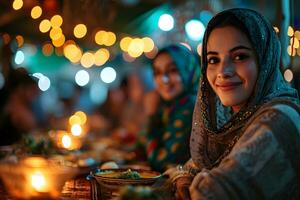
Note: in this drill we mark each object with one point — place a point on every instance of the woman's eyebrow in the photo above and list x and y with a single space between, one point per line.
212 53
240 47
231 50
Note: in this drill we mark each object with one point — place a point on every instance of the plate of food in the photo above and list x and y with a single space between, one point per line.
111 180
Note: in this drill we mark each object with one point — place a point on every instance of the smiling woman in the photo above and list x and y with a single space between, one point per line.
245 140
232 67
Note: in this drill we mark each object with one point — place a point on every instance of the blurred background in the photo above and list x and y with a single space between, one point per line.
80 50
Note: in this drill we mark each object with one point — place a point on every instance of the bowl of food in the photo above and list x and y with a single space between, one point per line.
110 181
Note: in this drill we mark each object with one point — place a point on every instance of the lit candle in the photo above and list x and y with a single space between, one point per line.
38 182
66 141
76 130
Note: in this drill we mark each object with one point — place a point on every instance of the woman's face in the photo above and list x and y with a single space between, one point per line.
232 66
166 76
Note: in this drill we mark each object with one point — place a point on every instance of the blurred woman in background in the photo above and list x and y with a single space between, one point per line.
176 74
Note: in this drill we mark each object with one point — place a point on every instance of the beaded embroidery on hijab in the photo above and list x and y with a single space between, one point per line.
213 119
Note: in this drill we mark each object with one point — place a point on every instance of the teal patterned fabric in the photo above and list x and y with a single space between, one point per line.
168 132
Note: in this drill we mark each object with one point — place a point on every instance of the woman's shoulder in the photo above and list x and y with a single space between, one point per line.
277 114
280 107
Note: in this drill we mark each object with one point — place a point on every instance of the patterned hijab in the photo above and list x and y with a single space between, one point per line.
213 120
187 65
169 129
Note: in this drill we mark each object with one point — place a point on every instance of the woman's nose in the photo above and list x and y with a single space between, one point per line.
165 79
226 70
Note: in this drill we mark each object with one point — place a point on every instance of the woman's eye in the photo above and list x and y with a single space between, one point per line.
240 57
172 70
213 60
156 73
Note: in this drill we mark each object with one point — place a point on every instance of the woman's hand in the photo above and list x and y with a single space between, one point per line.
182 185
181 180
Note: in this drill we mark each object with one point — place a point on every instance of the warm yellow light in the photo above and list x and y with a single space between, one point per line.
17 4
111 39
148 44
74 119
72 52
80 31
56 21
125 42
36 12
47 49
38 182
297 34
76 130
291 51
290 31
66 141
136 47
101 37
295 41
82 117
45 26
101 56
87 60
55 33
20 40
59 42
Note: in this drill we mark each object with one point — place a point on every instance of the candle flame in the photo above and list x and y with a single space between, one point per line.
76 130
38 181
66 141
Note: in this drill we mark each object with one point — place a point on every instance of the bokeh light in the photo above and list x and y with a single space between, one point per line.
82 78
36 12
17 4
45 26
19 57
44 83
290 31
56 21
166 22
288 75
101 56
87 60
124 43
148 44
194 30
80 31
108 74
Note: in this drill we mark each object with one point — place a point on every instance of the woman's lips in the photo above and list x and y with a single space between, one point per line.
228 86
